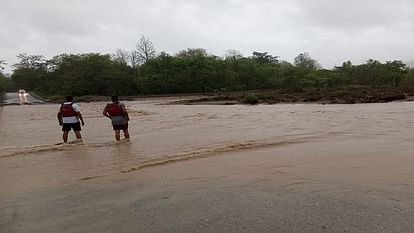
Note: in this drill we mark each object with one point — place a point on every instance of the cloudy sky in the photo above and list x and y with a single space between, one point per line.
331 31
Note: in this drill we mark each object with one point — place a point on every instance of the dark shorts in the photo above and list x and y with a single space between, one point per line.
69 126
120 127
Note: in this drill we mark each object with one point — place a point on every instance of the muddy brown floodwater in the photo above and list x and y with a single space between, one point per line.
210 168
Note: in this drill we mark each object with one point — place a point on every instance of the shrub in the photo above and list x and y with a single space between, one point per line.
250 99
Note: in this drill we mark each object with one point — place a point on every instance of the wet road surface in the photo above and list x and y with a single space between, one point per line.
20 99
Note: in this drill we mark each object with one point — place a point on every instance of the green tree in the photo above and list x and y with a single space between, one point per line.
191 70
305 66
29 71
305 62
408 80
264 58
396 71
3 83
92 74
346 73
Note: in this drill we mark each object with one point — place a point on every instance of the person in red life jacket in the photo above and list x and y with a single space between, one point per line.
69 115
118 114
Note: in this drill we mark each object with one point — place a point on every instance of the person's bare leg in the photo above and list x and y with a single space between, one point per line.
117 135
78 135
65 136
126 133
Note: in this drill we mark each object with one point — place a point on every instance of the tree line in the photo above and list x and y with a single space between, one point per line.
144 71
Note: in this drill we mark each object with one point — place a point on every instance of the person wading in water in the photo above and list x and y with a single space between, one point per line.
68 116
118 114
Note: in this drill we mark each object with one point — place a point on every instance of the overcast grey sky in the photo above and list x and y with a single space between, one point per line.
330 31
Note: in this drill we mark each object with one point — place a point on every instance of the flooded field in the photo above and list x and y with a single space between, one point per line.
328 139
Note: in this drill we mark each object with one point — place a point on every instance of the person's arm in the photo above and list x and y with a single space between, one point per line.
79 115
125 112
60 118
105 112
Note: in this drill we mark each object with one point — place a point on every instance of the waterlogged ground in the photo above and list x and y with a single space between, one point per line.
304 151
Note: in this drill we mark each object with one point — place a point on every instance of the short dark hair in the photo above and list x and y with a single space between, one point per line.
69 98
114 98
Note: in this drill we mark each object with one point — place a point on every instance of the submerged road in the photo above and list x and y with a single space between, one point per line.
15 98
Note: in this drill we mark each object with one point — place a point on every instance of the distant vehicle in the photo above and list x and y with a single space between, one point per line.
22 92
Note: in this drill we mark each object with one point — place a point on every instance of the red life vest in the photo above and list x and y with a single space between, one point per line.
67 110
114 109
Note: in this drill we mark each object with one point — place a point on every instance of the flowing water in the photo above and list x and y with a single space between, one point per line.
160 133
301 166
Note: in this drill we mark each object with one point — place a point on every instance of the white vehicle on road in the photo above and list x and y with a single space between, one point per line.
22 92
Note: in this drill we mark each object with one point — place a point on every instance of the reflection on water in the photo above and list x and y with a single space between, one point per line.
163 133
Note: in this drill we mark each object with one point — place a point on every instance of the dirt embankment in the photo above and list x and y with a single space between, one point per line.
344 96
350 95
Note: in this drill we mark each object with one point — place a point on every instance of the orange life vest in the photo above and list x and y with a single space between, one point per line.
114 109
67 110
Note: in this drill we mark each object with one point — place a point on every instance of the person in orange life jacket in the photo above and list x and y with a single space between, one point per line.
69 115
118 114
